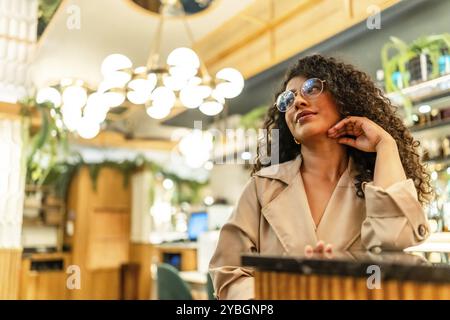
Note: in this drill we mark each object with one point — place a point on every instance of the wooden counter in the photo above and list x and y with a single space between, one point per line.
348 275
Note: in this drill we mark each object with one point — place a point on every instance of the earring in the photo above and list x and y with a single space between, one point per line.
297 142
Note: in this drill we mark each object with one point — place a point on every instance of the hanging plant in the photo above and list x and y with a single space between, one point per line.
46 146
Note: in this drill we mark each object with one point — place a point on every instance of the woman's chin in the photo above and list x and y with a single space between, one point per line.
309 133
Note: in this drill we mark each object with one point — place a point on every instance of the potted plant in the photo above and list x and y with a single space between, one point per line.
425 58
394 65
428 51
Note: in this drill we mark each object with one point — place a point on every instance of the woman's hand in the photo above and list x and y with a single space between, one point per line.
320 248
368 136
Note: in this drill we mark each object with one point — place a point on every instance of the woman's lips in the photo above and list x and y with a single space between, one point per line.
304 116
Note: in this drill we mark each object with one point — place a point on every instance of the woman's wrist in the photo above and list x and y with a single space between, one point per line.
386 143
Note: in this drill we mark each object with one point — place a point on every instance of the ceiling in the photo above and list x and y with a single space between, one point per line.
117 26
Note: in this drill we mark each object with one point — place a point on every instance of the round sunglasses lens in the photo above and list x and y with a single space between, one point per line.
312 88
285 100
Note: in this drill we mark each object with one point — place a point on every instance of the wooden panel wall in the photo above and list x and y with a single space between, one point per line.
102 232
9 273
44 285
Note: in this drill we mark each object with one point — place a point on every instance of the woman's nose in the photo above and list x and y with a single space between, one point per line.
299 101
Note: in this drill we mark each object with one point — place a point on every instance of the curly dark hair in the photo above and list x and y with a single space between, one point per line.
355 94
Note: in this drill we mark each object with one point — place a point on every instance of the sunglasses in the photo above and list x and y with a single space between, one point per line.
310 89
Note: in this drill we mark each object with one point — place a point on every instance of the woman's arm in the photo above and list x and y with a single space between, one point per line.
388 166
394 217
240 234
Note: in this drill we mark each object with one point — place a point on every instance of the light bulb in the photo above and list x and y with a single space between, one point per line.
115 62
70 116
183 57
96 108
208 200
87 128
195 148
196 143
174 83
158 112
167 184
183 72
233 85
209 165
49 95
163 97
119 77
211 108
190 97
142 90
111 98
75 96
424 108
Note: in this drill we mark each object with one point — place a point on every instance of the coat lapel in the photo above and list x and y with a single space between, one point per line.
288 214
343 217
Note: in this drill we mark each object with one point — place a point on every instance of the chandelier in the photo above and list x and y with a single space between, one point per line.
183 80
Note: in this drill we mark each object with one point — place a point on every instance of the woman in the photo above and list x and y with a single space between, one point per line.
349 176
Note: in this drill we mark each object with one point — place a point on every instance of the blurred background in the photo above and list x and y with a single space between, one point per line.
128 127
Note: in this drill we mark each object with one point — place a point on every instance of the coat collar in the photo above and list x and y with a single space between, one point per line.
286 171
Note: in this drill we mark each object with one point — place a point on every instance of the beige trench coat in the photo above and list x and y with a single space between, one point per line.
272 216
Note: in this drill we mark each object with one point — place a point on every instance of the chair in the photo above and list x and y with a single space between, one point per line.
210 287
170 284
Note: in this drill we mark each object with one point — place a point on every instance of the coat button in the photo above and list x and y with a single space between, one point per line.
422 230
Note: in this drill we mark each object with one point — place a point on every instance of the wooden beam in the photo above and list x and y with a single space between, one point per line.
269 26
247 43
116 140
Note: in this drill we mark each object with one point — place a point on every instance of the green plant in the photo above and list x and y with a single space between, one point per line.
395 63
46 146
403 53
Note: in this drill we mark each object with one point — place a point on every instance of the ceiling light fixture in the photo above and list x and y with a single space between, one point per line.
184 78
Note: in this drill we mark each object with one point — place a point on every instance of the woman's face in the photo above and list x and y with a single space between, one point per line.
310 117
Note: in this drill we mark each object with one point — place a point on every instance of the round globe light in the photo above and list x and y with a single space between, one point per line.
157 112
70 116
74 96
211 108
183 72
96 108
183 57
233 85
190 97
115 62
112 99
142 90
163 97
88 128
49 94
174 83
167 184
